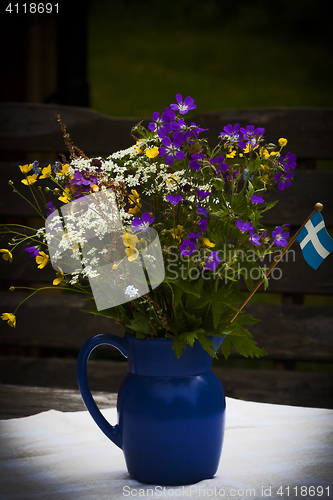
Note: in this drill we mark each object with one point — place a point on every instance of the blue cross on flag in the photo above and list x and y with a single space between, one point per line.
315 242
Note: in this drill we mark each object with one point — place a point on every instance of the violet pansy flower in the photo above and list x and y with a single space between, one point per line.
197 161
283 180
203 224
187 247
254 238
243 226
33 251
171 150
202 194
174 199
143 223
257 199
50 208
213 261
183 106
288 161
162 124
280 238
232 133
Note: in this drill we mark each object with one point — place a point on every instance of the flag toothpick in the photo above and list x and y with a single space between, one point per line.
317 208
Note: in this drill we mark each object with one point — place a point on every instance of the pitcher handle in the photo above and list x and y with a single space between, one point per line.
111 431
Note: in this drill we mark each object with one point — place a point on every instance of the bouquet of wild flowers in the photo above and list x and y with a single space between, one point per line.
205 205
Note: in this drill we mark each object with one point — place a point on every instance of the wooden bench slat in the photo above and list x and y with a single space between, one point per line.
33 127
55 321
52 321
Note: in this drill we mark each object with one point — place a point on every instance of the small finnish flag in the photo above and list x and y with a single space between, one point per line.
315 242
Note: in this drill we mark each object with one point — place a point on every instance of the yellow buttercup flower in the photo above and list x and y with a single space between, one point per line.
264 179
134 199
153 152
264 153
7 255
26 168
177 233
249 148
135 209
132 253
232 153
282 142
207 243
10 318
64 170
42 259
31 179
265 167
59 278
129 239
46 172
66 196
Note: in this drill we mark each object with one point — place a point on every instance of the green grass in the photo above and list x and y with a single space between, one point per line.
139 61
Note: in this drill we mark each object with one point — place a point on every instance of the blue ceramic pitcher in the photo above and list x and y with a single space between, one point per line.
170 410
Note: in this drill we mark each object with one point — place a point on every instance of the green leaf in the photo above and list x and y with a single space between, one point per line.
192 321
139 324
186 287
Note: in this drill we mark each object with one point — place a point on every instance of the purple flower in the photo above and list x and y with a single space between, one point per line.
188 247
79 180
182 131
202 194
202 211
257 199
232 133
197 161
143 223
185 106
283 180
196 131
243 226
213 261
250 132
254 238
174 199
171 150
162 124
288 161
280 238
220 167
203 224
195 236
33 251
50 208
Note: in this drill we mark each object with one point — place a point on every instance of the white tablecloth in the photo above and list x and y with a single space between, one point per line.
270 451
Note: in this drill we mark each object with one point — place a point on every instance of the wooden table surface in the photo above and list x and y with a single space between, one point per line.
22 401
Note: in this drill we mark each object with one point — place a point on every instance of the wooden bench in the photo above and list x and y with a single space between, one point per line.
296 328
